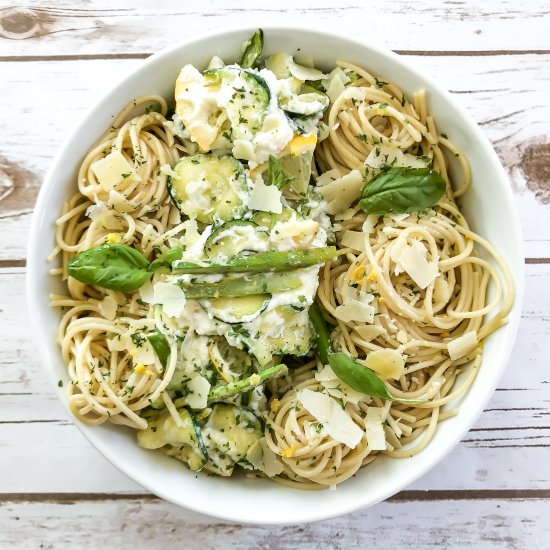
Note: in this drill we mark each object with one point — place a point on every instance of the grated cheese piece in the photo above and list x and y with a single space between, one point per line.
114 169
388 363
369 332
374 429
412 258
353 239
171 297
337 423
198 392
266 198
386 155
355 310
463 345
341 193
108 307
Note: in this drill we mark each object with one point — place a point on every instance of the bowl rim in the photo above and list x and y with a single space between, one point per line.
34 256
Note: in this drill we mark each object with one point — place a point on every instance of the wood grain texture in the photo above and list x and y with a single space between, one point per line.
507 97
507 449
141 522
101 27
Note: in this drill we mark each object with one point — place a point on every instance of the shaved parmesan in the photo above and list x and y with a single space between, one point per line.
388 363
266 198
114 169
369 332
412 259
335 83
294 234
271 465
243 149
117 201
369 223
198 392
108 307
385 155
338 389
342 192
462 346
328 177
442 292
355 310
337 423
376 438
313 431
354 239
146 292
171 297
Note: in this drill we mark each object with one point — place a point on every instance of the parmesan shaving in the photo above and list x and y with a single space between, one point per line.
337 423
462 346
388 363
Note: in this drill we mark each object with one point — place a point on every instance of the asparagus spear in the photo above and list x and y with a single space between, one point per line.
239 386
260 262
260 283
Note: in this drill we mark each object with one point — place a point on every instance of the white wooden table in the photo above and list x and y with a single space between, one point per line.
56 56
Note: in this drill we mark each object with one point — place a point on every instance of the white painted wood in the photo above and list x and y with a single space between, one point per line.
507 448
490 88
99 26
144 523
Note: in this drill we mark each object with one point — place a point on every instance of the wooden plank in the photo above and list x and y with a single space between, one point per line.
61 27
37 125
506 449
125 523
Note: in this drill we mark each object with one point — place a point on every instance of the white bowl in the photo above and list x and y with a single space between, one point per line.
488 206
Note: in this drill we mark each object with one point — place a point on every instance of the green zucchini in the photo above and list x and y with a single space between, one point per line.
247 107
295 336
185 441
237 310
234 237
228 434
208 187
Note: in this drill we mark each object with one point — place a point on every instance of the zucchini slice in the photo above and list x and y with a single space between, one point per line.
184 442
229 433
242 309
294 335
249 98
232 238
229 362
208 188
268 220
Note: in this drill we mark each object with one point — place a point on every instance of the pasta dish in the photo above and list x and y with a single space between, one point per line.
269 272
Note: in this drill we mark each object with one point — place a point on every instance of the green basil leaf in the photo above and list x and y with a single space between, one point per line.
402 190
165 260
113 266
361 378
252 49
276 175
161 346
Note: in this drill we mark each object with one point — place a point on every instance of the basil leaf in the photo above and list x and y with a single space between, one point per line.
346 368
276 175
113 266
166 259
361 378
252 49
402 190
161 346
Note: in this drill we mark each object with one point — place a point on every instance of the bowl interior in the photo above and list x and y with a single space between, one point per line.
488 207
